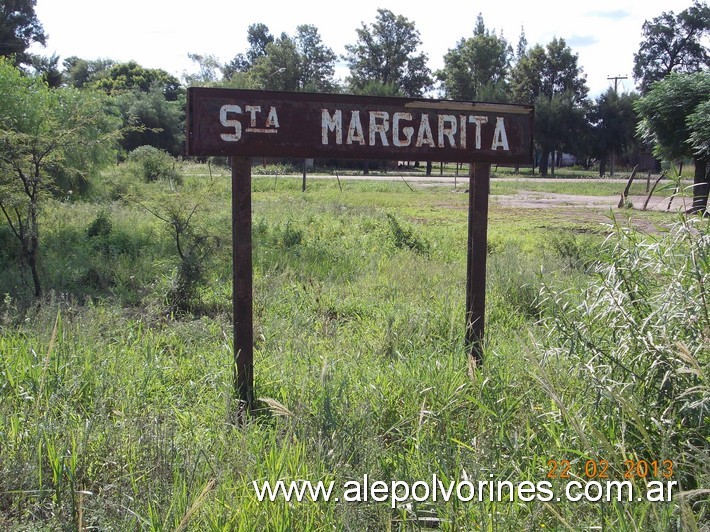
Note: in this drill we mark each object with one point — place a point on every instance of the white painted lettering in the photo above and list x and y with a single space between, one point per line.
355 132
332 122
399 129
462 129
253 109
381 128
425 135
273 119
408 130
500 137
478 120
226 122
447 132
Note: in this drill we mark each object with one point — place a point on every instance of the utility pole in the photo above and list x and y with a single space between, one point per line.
613 151
616 81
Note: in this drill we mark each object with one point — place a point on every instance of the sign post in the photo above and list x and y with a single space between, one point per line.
242 283
242 123
477 246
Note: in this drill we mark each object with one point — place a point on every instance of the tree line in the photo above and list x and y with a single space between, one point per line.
58 125
386 59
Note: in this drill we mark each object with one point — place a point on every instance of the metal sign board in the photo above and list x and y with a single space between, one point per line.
234 122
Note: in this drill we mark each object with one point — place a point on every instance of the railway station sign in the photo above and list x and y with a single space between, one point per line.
235 122
242 124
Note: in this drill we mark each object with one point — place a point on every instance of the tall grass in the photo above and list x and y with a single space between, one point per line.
639 342
116 415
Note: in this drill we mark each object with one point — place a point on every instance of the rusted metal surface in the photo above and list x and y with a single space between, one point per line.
242 315
236 122
478 190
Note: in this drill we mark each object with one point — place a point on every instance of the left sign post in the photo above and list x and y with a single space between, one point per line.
242 282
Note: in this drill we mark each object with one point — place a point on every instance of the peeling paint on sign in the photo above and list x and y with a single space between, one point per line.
262 123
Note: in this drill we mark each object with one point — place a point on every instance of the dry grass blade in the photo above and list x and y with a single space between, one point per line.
278 409
685 355
197 503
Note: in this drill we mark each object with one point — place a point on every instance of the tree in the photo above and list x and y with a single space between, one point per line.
548 71
46 137
673 44
259 38
48 68
673 117
238 65
522 45
79 73
279 68
300 63
19 28
699 124
477 68
122 77
151 102
209 69
551 79
526 77
317 60
614 120
559 121
152 120
386 52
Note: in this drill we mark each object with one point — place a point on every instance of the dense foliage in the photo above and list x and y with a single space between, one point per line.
386 52
680 130
51 142
673 43
477 68
19 28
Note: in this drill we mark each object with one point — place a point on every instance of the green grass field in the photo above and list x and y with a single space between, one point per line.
116 403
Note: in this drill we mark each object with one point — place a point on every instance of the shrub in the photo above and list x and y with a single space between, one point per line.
638 340
151 164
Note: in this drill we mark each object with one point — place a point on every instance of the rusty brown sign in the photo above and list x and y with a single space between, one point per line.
244 123
237 122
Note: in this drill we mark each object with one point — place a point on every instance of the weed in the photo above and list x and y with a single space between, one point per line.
404 237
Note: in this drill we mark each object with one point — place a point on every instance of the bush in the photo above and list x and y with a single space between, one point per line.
151 164
638 340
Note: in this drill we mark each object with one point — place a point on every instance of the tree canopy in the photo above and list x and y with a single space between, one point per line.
50 139
79 73
477 68
546 71
386 60
19 28
386 53
317 60
279 68
673 119
550 78
673 43
128 76
613 120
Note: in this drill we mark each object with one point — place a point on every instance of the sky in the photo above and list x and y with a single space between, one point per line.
605 34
